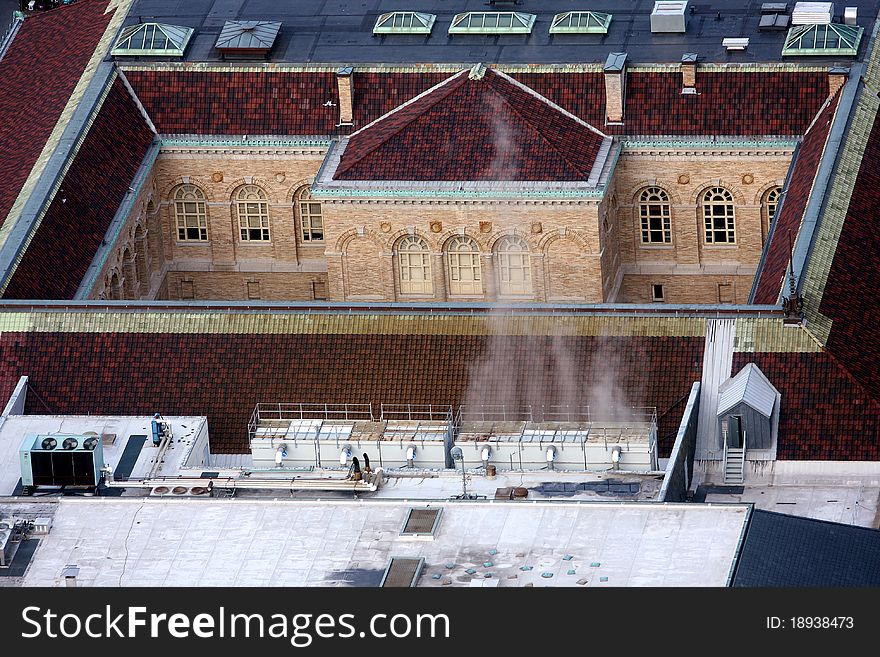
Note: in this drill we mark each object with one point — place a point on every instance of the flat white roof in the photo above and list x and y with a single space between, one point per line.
208 542
14 428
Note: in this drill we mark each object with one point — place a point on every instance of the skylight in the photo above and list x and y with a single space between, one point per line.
580 22
404 22
152 39
492 22
824 39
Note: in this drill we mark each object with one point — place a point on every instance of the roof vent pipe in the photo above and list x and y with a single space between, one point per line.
344 455
551 457
410 455
280 455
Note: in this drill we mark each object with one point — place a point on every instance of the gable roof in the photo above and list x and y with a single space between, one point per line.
43 50
750 387
473 126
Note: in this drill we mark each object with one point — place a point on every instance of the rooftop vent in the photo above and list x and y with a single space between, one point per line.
404 22
830 39
402 572
421 522
812 13
492 22
247 38
152 40
580 22
669 17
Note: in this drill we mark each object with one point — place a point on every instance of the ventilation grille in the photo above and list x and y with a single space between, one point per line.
421 522
402 572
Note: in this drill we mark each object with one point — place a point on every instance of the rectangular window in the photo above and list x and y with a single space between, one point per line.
319 290
656 223
514 272
253 290
312 221
253 219
192 224
187 290
657 292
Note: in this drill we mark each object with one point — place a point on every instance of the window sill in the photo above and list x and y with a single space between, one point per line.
721 246
658 247
193 242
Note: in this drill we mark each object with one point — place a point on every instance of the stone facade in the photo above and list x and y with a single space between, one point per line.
579 250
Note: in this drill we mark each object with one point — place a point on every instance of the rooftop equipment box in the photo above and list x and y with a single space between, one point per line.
812 13
61 460
669 17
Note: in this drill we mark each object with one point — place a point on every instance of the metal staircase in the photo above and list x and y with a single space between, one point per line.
734 464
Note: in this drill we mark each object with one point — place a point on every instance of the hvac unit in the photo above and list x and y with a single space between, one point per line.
812 13
71 461
669 17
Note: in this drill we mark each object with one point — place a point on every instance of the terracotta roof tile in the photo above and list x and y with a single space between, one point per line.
473 129
237 103
43 51
376 94
788 221
225 376
71 231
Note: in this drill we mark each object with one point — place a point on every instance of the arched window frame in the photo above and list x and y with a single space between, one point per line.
190 213
719 216
414 265
514 266
655 216
769 208
463 266
252 210
310 216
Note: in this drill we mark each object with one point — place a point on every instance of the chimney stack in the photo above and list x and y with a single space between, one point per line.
343 84
837 76
689 73
615 87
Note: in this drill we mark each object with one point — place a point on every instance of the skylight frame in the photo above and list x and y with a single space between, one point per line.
581 22
490 22
851 35
176 36
420 22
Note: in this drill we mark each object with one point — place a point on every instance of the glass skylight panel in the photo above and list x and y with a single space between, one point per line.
492 22
152 39
404 22
580 22
824 39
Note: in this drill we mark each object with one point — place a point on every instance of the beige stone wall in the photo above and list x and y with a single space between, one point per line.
685 177
233 286
563 241
683 289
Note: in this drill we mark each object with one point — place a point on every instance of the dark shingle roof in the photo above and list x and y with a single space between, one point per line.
781 550
489 128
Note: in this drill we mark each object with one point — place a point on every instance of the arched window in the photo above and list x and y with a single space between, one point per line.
771 202
253 214
310 219
514 266
414 263
463 258
655 215
190 213
718 216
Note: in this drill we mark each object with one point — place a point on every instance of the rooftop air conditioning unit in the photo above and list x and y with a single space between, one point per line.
812 13
61 460
669 17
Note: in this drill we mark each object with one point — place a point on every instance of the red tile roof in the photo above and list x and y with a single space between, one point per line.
73 227
237 103
825 414
376 94
851 298
38 73
473 129
224 376
728 103
788 220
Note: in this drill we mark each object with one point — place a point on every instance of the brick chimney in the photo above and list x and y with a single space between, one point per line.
343 84
615 87
689 73
837 76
